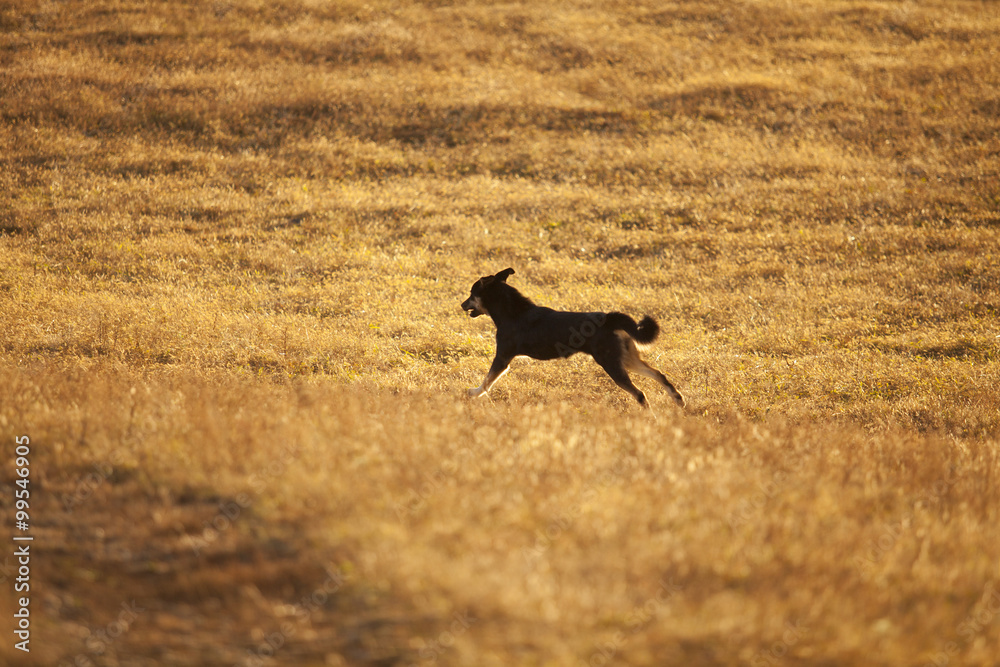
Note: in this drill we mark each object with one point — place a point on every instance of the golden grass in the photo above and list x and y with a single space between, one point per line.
234 238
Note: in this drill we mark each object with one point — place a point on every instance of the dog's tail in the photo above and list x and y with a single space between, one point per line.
643 333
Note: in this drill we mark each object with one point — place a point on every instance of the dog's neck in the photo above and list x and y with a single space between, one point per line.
507 304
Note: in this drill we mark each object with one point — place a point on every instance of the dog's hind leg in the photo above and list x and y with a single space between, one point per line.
649 371
622 379
611 361
499 366
633 362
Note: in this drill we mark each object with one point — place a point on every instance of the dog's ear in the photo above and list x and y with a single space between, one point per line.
503 275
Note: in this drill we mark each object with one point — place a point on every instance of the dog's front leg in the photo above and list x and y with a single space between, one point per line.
497 369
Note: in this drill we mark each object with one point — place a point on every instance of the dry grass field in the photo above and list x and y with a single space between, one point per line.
234 237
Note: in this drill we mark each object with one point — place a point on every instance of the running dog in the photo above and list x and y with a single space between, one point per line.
524 329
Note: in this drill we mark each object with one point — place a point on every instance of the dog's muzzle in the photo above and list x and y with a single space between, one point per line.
472 306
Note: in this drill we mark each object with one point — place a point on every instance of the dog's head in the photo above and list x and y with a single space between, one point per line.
474 304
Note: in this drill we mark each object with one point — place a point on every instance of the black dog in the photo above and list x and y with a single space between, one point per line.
524 329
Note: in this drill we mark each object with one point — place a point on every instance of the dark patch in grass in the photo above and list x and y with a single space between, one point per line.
287 222
147 168
11 224
962 349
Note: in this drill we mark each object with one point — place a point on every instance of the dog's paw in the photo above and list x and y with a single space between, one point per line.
476 392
